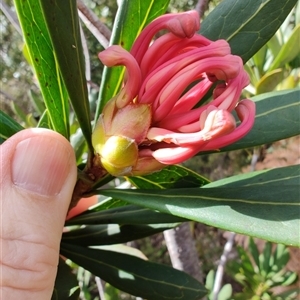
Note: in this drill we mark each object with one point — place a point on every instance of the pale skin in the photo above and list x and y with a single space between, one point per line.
38 174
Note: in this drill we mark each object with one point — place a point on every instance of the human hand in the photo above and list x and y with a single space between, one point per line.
38 174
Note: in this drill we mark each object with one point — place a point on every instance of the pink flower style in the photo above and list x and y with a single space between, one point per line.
156 120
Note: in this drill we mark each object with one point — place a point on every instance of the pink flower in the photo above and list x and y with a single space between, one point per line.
157 109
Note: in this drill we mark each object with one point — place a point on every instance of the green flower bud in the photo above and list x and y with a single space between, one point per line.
119 155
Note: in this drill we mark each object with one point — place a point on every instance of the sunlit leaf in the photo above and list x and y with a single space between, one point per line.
269 81
44 62
62 23
289 50
44 121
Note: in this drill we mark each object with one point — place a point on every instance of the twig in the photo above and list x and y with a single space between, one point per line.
96 27
254 159
220 270
86 55
182 250
201 7
100 287
7 96
11 16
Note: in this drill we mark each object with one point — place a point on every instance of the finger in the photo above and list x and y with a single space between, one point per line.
38 174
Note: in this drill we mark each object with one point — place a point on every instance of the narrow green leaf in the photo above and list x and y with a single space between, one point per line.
109 234
274 45
175 176
66 285
111 293
246 264
136 276
130 214
62 23
277 118
259 59
37 102
265 259
131 18
281 256
19 113
247 25
43 60
269 81
254 251
256 204
44 121
286 176
8 126
289 50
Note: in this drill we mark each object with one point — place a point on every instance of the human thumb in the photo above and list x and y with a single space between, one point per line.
38 174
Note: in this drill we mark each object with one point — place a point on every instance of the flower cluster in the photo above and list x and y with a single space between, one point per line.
162 115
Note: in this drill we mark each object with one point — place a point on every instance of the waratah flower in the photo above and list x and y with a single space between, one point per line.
163 114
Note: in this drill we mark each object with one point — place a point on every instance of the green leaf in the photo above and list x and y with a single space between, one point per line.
175 176
44 121
111 293
269 81
254 251
255 204
246 264
110 234
210 279
247 25
259 59
62 23
277 118
134 275
19 113
225 292
274 45
265 257
44 62
130 214
131 18
8 126
281 256
37 102
289 50
66 285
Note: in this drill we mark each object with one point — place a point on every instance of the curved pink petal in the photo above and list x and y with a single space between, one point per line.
223 67
157 55
141 44
246 113
217 123
153 82
117 56
176 155
191 97
227 99
184 25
